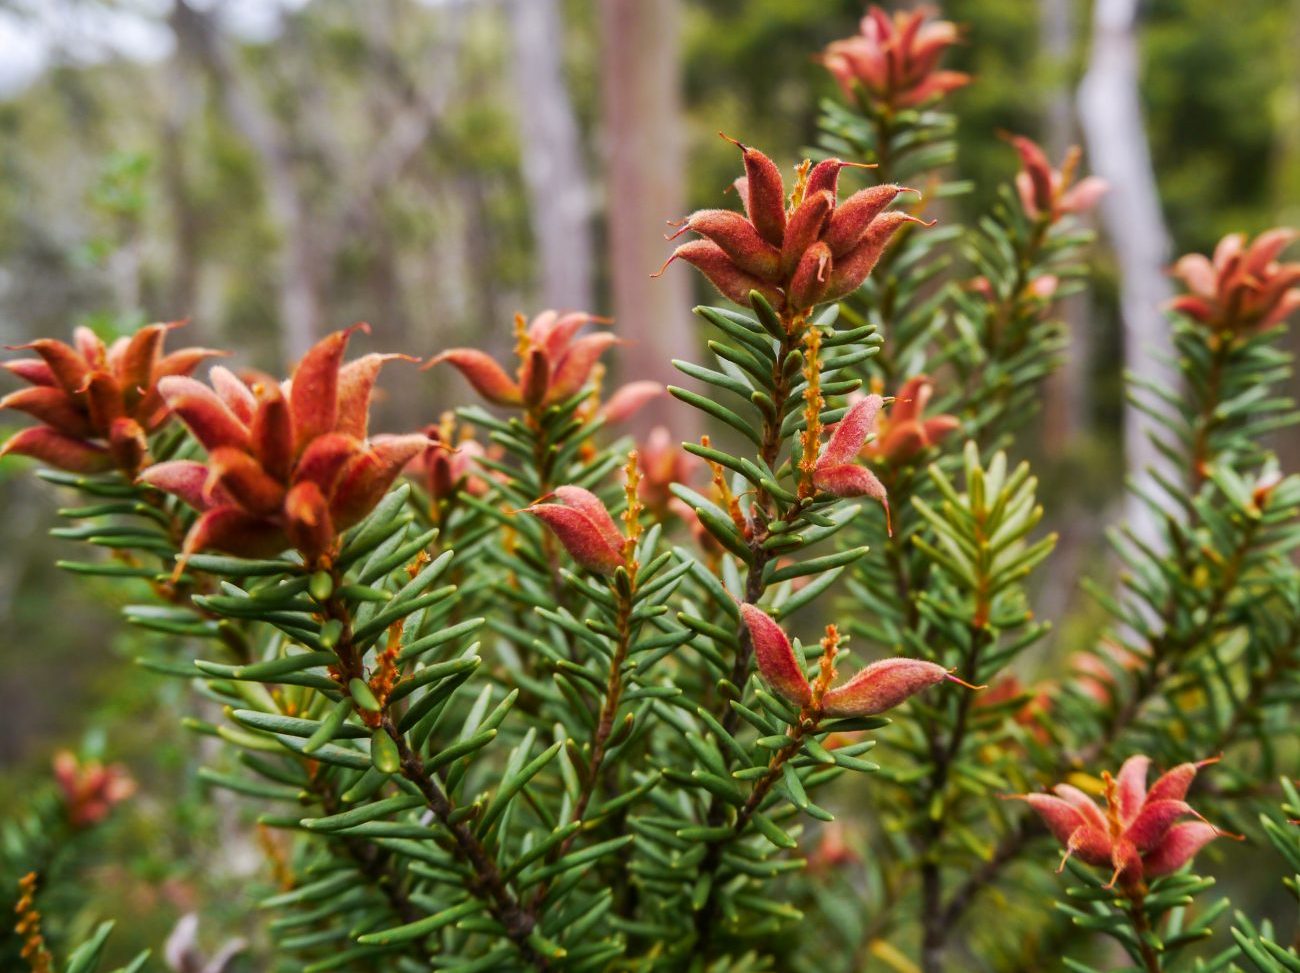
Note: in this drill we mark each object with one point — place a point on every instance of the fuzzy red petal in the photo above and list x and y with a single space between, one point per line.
775 656
60 451
481 371
203 412
883 685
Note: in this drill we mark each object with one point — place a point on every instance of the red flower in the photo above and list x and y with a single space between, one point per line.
663 463
90 790
554 362
444 469
1047 192
630 399
582 524
1244 286
1138 834
836 471
817 251
288 465
903 431
880 686
894 60
96 404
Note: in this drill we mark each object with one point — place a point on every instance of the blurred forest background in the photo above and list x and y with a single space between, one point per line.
274 170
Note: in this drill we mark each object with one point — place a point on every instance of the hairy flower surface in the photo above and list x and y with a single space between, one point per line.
895 60
837 471
1051 193
903 431
96 403
817 250
555 362
1139 834
289 465
878 687
1243 286
89 790
584 527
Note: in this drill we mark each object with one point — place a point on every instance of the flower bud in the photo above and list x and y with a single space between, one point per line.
584 527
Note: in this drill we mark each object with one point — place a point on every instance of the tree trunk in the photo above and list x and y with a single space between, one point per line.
645 186
555 173
1112 121
299 281
1065 400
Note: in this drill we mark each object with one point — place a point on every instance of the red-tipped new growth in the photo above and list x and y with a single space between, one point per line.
288 465
893 61
837 471
1244 286
1138 834
555 362
879 687
96 404
903 431
89 790
584 527
817 251
1051 193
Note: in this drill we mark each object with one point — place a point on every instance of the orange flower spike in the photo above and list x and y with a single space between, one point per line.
96 405
811 437
632 512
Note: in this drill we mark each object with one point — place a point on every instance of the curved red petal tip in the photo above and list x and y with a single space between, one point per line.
736 142
962 682
775 656
671 257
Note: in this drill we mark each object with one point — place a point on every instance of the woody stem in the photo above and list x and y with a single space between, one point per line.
486 881
604 727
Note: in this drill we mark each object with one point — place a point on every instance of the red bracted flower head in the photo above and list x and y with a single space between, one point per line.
879 687
663 463
903 432
555 362
289 465
445 467
1051 193
582 524
90 789
894 60
1139 834
1244 286
96 404
817 251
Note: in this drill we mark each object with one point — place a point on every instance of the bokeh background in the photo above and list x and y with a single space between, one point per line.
274 169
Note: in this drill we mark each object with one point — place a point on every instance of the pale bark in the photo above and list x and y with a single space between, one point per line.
299 278
1112 120
555 173
1065 399
644 137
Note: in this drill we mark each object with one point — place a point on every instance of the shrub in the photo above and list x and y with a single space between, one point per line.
541 703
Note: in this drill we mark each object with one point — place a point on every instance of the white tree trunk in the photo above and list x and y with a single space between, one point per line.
1112 119
555 173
